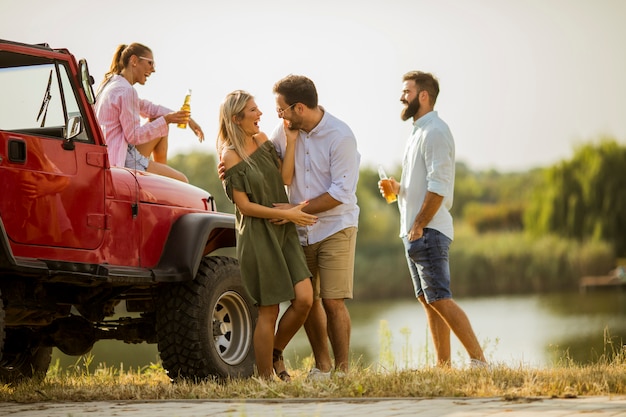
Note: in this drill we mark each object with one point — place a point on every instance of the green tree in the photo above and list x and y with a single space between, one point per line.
495 201
584 198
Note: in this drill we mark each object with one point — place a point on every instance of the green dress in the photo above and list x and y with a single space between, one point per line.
270 256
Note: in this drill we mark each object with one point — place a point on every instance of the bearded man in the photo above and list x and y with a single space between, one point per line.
425 194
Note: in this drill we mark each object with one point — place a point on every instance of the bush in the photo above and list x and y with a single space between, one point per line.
515 263
495 263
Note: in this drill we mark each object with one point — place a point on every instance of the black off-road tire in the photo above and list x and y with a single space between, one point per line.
2 334
23 357
205 326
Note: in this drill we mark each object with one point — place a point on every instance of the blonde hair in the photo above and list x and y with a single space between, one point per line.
230 134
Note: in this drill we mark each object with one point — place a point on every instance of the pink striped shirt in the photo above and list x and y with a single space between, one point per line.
118 109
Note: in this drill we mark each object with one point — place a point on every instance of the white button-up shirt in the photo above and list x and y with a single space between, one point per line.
428 165
326 160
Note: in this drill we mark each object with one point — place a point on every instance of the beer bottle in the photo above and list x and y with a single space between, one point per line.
187 107
385 182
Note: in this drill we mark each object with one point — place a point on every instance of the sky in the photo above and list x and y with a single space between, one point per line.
523 82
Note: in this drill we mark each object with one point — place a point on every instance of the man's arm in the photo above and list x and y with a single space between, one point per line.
288 163
429 208
321 203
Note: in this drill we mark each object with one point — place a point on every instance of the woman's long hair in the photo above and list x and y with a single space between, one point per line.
121 57
230 134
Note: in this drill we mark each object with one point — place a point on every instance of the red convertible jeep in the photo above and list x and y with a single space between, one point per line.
80 239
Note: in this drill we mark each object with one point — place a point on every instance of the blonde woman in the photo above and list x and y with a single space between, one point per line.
273 267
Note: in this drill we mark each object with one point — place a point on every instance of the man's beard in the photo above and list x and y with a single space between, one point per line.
295 123
410 110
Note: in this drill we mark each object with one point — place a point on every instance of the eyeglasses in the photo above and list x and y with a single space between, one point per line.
281 112
150 61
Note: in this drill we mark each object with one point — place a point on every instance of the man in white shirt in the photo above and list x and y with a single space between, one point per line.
326 174
425 194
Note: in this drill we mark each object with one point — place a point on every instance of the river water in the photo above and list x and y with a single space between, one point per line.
526 330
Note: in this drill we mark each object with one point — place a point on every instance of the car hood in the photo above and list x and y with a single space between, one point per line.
157 189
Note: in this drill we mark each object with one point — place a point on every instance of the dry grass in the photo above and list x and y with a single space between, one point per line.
606 377
85 382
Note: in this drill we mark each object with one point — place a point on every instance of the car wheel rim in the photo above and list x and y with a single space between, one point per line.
232 328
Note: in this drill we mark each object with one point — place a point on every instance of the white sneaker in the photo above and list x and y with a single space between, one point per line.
478 364
339 374
316 375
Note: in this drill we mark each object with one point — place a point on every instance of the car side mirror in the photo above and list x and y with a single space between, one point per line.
86 80
72 129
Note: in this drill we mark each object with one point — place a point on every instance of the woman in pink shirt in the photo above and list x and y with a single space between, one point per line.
119 108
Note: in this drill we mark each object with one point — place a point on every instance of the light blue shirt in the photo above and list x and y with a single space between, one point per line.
327 160
428 165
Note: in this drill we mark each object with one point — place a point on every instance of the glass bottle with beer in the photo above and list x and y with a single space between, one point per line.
186 107
385 184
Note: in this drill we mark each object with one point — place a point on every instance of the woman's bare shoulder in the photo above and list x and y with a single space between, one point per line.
230 158
260 138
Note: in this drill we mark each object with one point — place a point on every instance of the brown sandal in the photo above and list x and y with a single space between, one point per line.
279 366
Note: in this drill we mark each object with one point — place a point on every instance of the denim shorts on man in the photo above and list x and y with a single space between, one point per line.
427 258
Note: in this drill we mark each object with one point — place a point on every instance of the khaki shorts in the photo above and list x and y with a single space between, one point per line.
331 262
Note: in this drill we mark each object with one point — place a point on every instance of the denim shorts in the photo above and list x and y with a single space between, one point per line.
427 258
135 160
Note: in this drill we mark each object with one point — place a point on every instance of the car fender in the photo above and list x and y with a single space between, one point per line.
191 237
